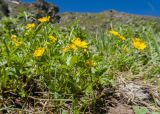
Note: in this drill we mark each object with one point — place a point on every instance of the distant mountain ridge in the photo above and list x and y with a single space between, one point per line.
103 20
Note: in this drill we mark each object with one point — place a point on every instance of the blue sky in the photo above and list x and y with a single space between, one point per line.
142 7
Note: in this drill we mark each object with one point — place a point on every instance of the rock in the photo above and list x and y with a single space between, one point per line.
4 11
39 9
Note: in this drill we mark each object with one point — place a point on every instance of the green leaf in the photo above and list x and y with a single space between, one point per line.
140 110
71 60
105 80
68 60
155 113
22 93
89 89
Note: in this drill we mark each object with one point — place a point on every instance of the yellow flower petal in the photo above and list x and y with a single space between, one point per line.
14 38
38 52
66 49
89 63
72 46
79 43
125 49
18 43
44 19
115 33
121 37
52 38
138 44
30 26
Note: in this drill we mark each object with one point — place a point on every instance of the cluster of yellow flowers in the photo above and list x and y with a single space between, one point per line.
39 51
76 43
136 42
30 26
115 33
14 39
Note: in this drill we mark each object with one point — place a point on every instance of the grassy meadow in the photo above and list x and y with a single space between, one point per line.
46 68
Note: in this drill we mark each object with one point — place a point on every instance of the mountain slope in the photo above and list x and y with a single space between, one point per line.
93 21
90 21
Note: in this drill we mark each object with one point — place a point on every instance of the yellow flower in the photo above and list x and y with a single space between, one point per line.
14 38
44 19
52 38
125 49
79 43
115 33
83 44
76 41
89 63
66 49
72 46
38 52
18 43
30 26
121 37
69 47
75 44
138 44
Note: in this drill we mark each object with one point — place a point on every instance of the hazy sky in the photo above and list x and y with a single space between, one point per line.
143 7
